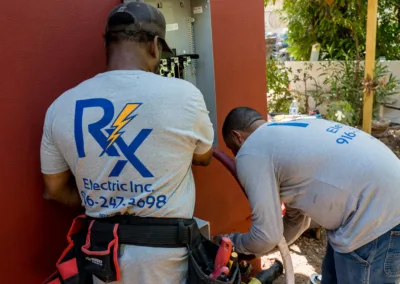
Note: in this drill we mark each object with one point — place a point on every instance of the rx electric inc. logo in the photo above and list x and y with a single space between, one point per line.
110 142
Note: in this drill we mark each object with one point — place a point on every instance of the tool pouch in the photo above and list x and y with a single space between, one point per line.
197 274
72 258
101 251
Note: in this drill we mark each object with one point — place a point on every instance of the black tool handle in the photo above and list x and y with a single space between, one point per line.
271 274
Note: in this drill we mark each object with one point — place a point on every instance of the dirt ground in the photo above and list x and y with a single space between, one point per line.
307 254
391 138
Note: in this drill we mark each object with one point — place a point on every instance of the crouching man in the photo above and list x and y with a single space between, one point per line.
342 178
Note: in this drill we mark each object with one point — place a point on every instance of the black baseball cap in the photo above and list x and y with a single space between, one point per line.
138 17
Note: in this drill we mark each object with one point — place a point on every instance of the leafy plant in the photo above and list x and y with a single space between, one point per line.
279 96
343 85
340 111
340 28
304 76
345 97
279 81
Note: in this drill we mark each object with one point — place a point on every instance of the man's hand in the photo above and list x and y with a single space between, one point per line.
62 188
204 159
217 240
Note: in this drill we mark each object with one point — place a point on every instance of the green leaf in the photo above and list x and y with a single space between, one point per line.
337 27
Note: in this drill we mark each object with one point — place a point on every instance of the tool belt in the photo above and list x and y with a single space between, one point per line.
94 248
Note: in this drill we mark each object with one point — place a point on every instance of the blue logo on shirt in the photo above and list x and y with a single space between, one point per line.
294 124
114 129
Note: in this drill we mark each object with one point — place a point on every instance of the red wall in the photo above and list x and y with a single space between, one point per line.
47 47
239 55
240 77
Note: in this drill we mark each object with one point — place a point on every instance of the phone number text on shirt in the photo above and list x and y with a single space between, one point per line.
120 201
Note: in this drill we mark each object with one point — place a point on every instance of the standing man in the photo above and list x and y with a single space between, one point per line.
338 176
123 142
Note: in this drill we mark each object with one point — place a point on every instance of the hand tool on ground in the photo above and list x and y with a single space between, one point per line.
269 275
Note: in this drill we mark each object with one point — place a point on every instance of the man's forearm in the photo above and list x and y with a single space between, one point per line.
247 244
291 233
62 188
68 196
257 176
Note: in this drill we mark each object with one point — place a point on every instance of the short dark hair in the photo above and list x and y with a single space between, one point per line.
118 37
121 20
240 118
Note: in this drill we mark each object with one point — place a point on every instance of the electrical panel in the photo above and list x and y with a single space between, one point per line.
189 35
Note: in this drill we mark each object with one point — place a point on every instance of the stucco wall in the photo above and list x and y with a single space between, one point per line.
393 68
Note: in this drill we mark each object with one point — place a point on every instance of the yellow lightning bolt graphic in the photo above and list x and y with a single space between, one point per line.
122 120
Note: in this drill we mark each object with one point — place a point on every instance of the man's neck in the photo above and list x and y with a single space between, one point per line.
126 64
124 59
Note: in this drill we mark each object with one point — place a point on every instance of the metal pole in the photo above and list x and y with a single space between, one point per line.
370 64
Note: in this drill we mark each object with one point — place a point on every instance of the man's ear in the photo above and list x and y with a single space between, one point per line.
237 137
155 51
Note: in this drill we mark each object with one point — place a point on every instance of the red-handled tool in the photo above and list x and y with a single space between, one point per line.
222 257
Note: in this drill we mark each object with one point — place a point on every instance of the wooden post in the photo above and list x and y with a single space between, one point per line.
370 63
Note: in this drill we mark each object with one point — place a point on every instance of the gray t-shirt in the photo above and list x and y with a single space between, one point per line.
129 138
340 177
